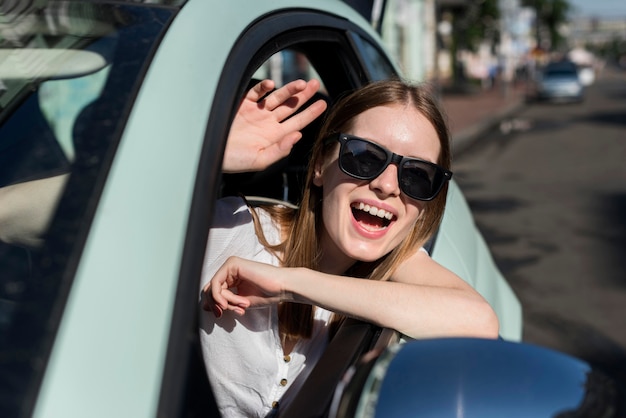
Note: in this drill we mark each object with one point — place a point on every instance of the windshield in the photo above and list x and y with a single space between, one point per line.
69 72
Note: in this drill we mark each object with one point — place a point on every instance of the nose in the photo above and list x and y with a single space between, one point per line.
386 184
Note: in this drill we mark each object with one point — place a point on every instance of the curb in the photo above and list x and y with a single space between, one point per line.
465 138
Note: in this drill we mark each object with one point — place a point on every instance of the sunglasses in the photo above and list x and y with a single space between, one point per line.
366 160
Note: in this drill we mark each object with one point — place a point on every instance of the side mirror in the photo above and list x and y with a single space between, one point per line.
476 378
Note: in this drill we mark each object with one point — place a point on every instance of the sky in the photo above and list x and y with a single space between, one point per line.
599 8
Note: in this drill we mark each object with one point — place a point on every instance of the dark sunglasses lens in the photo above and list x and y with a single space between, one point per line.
362 159
420 180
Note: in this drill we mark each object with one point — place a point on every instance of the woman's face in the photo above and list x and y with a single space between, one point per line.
350 231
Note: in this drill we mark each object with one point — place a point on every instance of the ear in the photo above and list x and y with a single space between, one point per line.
317 173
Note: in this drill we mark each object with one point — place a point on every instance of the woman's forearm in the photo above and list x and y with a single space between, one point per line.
429 302
418 311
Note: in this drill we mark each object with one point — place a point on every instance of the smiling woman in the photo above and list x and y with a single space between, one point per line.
277 279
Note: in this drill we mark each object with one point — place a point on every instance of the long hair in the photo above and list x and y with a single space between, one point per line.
303 228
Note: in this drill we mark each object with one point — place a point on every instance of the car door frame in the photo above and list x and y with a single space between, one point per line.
184 385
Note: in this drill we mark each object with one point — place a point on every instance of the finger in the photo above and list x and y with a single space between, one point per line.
226 299
259 90
237 310
208 304
214 292
309 114
235 304
288 92
291 105
289 140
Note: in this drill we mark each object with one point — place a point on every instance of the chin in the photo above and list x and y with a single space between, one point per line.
367 255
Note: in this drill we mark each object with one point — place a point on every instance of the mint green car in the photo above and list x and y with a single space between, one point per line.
113 120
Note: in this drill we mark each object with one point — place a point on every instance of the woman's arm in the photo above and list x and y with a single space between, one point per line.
422 300
26 209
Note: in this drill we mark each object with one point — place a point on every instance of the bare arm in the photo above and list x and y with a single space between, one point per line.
26 209
422 300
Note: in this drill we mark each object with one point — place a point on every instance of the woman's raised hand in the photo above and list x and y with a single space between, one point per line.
263 131
240 284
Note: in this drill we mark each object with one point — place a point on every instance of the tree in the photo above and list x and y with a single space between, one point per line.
551 15
472 23
479 23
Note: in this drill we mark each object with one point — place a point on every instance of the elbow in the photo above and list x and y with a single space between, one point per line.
473 319
485 323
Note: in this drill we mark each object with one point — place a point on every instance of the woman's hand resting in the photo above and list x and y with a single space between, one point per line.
240 284
264 131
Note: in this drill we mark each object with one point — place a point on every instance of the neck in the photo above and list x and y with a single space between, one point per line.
333 260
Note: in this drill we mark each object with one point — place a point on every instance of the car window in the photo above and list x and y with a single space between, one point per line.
283 47
63 103
285 66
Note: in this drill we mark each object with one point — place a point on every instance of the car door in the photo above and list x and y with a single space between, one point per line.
307 44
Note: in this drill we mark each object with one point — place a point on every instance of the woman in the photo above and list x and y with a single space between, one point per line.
375 192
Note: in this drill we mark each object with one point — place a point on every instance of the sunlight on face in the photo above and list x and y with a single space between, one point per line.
352 229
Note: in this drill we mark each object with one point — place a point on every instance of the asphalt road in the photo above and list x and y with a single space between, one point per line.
548 192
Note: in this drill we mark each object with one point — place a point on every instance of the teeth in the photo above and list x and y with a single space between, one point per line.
374 211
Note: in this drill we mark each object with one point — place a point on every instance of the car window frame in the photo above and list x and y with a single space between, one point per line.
184 385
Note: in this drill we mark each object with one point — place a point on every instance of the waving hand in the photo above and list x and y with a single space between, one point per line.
265 128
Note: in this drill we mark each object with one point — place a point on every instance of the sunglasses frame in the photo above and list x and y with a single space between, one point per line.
392 158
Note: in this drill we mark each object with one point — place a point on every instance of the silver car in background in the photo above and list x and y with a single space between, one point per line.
560 81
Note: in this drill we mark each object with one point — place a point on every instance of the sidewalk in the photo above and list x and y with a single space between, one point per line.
472 114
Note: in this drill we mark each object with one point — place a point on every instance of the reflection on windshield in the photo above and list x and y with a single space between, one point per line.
58 136
61 102
49 76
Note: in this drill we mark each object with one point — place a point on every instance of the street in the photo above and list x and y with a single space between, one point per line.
548 192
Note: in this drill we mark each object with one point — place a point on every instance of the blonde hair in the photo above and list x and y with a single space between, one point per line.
303 227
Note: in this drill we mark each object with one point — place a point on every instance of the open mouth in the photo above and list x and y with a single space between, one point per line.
371 217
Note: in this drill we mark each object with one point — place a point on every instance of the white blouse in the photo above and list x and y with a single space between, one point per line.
243 356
